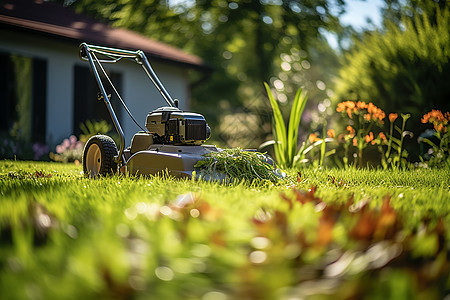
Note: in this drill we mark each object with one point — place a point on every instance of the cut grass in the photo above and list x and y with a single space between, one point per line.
237 164
65 236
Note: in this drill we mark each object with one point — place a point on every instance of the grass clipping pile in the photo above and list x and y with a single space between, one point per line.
235 164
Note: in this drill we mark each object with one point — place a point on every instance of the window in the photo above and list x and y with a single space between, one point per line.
86 105
23 97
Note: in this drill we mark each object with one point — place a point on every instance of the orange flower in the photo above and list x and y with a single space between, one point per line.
382 136
331 133
313 138
344 105
377 113
350 130
355 142
349 112
392 117
438 119
361 105
369 110
372 109
433 116
374 113
369 137
348 106
340 107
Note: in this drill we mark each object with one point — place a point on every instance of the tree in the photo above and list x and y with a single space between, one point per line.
395 10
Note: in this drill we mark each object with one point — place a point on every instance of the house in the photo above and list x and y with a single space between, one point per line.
46 91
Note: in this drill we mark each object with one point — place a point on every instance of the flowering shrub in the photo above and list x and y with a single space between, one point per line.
438 119
315 141
440 149
364 128
361 118
40 150
14 148
9 148
394 155
70 150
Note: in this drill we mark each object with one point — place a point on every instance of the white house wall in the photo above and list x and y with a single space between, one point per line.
141 96
137 90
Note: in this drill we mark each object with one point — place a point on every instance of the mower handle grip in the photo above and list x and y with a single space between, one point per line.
113 52
114 55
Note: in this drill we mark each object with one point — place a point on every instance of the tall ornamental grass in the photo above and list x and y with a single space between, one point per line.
285 140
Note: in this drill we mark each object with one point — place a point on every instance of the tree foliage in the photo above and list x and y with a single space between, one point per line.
403 68
242 40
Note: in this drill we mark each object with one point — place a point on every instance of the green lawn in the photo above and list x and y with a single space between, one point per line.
324 234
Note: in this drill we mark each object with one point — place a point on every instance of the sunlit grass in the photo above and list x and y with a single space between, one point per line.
65 236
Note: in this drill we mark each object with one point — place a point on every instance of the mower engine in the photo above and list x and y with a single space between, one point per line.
171 126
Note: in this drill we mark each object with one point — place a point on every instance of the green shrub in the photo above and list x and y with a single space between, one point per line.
403 68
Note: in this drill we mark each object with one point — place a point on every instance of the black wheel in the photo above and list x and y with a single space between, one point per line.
98 156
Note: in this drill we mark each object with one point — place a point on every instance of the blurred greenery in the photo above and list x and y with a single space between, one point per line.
245 42
401 66
404 66
334 234
21 129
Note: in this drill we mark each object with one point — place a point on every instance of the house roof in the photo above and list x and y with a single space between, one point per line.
52 19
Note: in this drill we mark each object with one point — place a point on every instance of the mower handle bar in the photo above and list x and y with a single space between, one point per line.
114 55
87 53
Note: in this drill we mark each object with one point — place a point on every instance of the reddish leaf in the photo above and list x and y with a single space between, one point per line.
335 181
326 225
440 231
287 199
41 174
332 179
267 223
373 224
299 176
191 206
388 221
218 238
365 226
305 197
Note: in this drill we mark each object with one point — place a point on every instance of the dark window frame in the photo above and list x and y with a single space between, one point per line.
86 106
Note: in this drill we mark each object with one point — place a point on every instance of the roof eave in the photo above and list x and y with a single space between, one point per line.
77 37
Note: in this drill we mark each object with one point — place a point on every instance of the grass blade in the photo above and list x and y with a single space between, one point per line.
280 129
294 121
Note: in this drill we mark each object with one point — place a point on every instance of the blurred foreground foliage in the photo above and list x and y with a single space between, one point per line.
345 234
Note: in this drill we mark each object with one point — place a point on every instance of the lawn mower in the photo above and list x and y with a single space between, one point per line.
171 141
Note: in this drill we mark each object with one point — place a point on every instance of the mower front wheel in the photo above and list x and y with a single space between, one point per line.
98 156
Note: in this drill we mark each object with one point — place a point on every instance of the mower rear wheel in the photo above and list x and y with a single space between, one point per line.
98 156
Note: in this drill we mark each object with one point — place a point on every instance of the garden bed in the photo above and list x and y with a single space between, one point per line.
322 234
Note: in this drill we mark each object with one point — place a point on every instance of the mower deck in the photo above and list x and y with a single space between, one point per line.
179 161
